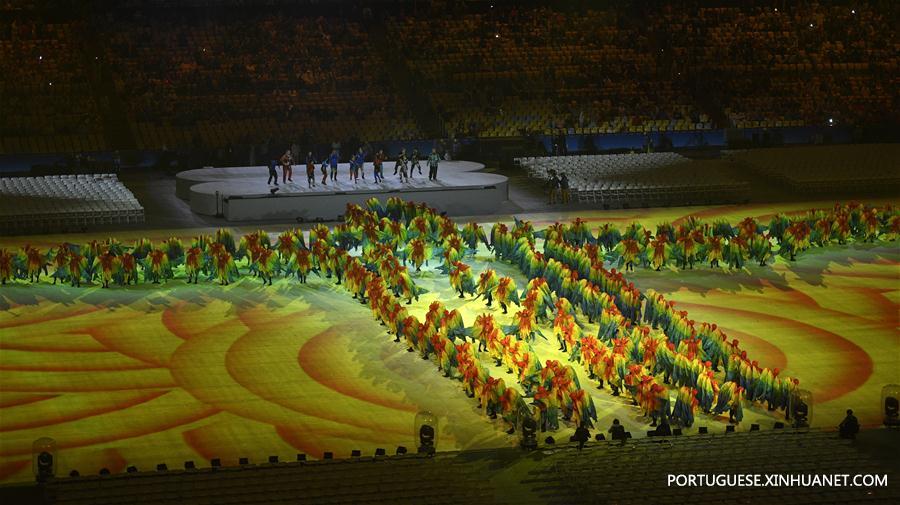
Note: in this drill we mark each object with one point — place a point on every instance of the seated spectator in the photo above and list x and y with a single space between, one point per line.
617 431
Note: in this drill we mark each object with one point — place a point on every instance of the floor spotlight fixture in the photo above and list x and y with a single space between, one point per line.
754 427
273 459
215 463
779 426
380 451
328 455
401 450
528 439
301 457
243 461
104 471
702 430
74 473
131 469
355 453
162 467
729 428
189 465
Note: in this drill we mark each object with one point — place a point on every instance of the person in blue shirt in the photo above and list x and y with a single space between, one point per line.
333 163
356 163
273 175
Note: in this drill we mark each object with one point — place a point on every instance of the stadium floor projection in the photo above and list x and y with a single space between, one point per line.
166 373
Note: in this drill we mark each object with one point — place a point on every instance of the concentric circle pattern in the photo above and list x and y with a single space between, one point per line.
150 374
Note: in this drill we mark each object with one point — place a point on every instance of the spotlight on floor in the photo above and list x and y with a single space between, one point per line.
729 428
162 467
74 473
328 455
549 441
104 471
702 430
754 427
301 457
189 465
600 437
273 459
273 191
131 469
380 452
401 450
244 461
676 432
215 463
778 426
355 453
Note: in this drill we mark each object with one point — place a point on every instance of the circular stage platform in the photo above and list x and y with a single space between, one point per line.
242 193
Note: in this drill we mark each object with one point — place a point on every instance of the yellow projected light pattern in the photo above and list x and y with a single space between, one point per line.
151 374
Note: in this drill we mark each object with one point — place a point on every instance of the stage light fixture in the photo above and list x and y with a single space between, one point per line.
162 467
754 427
74 473
301 457
355 453
600 437
529 434
215 463
778 426
44 466
328 455
549 441
131 469
380 452
702 430
189 465
426 439
401 450
273 459
729 428
104 471
676 432
243 461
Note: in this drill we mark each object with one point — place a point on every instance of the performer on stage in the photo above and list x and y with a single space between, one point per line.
333 163
401 166
414 163
433 160
310 170
379 165
288 170
273 175
360 160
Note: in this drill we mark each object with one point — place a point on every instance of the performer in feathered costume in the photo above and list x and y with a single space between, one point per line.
568 333
35 263
608 237
487 283
107 264
505 293
714 251
484 325
405 286
491 392
60 261
266 264
583 411
76 264
629 250
224 267
529 367
156 266
6 266
659 247
730 398
127 269
286 243
461 279
510 402
538 290
795 239
302 263
524 327
472 233
445 352
707 388
193 263
451 323
418 251
685 405
736 252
